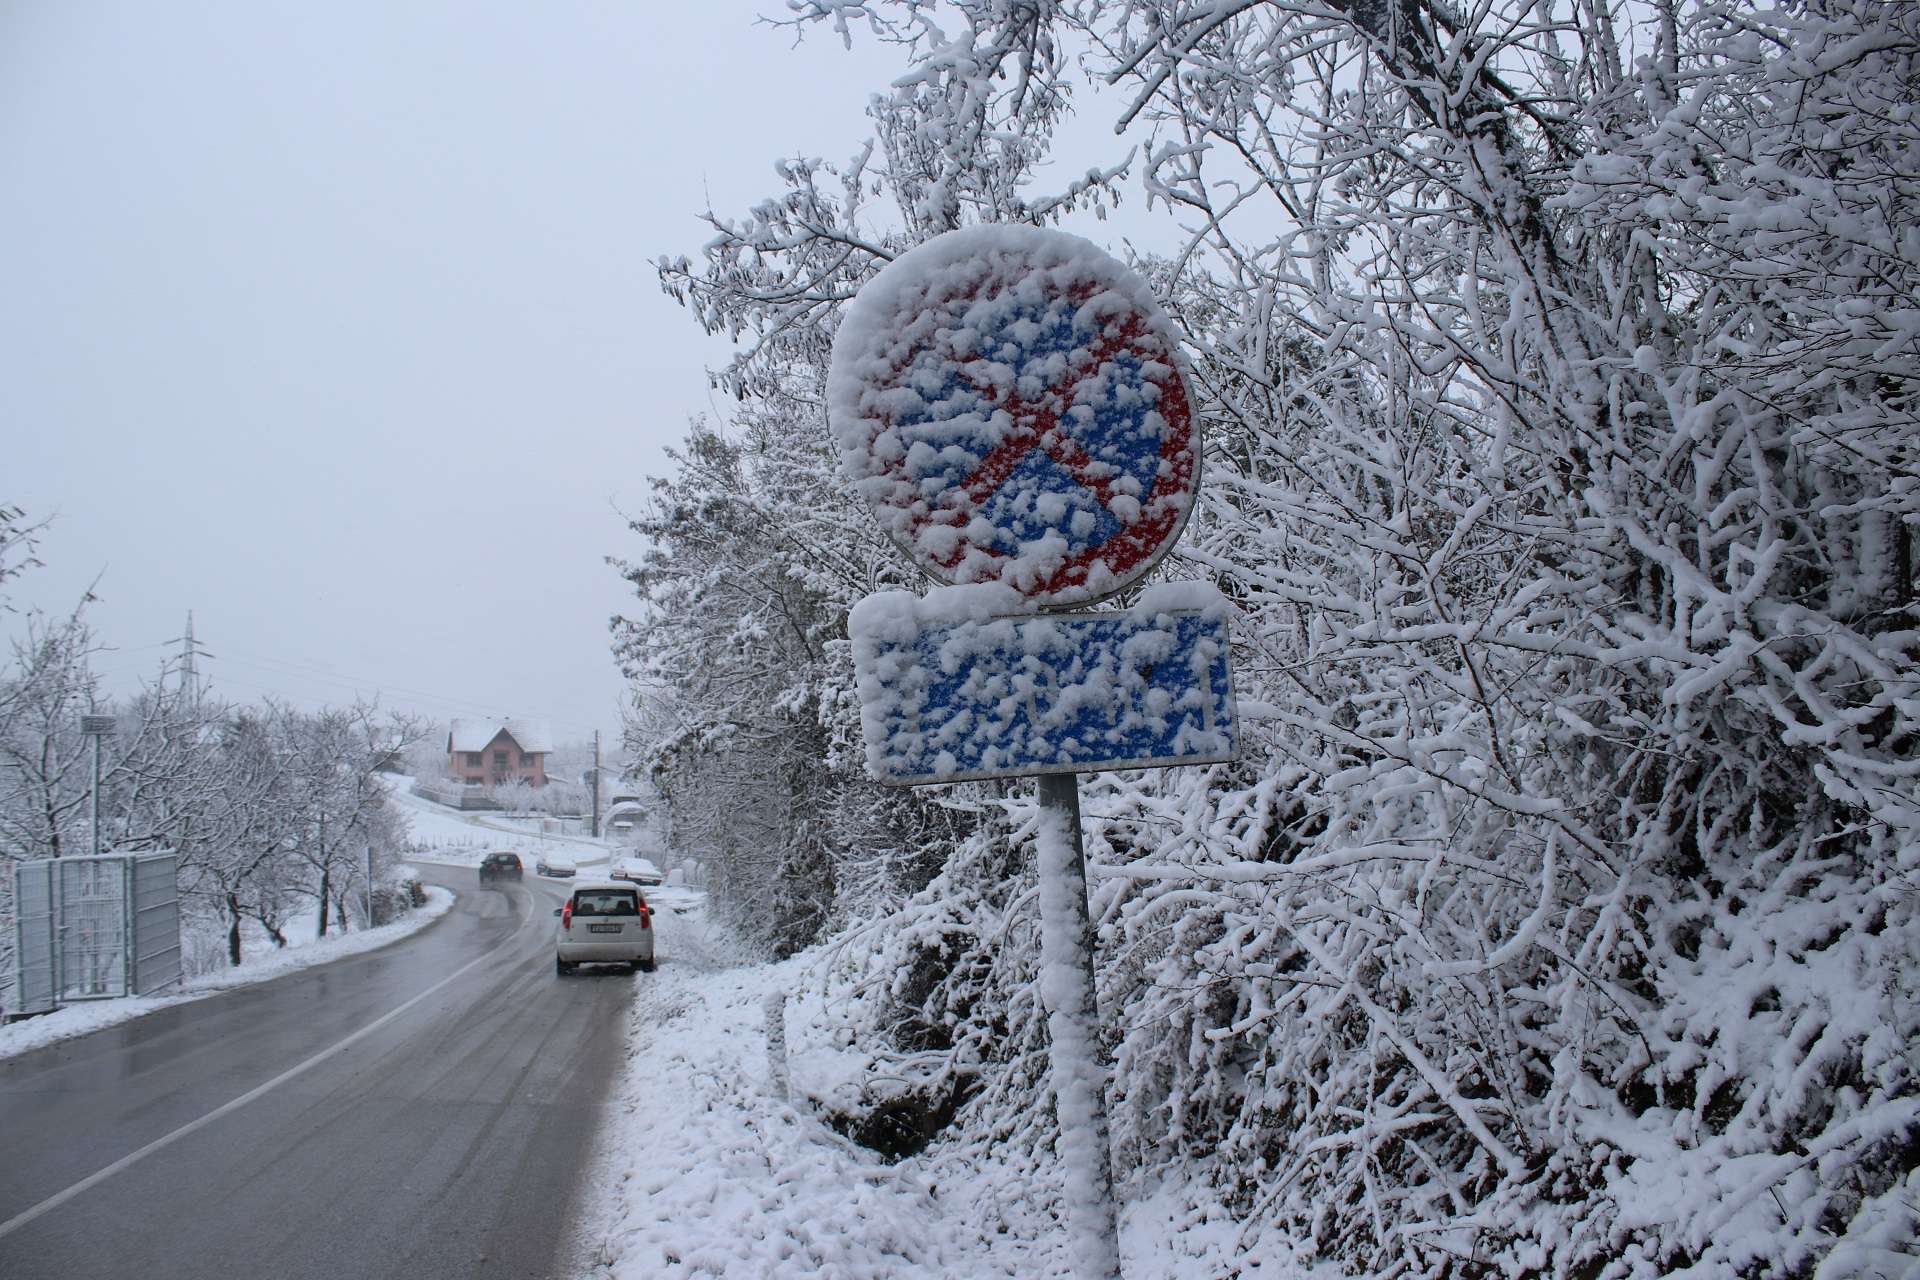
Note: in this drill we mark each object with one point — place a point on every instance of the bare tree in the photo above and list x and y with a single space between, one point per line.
45 771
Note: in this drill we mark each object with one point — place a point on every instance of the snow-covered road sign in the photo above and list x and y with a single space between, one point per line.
1013 404
950 689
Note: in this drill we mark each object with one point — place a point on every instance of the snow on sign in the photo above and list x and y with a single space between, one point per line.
952 687
1012 403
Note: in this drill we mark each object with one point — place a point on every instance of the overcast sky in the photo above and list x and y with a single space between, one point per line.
334 324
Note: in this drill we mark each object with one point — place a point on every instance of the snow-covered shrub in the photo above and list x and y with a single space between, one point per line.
745 717
1562 915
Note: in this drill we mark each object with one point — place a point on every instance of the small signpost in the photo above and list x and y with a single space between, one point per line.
1013 404
96 727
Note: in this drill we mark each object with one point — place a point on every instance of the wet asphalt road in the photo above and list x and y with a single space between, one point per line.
449 1140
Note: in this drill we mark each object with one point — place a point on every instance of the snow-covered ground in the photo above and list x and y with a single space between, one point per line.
452 838
707 1172
302 951
440 834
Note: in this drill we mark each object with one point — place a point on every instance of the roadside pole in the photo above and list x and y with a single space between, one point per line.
370 920
129 945
96 794
1078 1065
96 727
596 784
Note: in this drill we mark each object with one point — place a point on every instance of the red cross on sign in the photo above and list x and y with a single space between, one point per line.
1012 403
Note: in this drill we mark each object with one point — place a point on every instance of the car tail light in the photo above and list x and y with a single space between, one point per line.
566 916
646 918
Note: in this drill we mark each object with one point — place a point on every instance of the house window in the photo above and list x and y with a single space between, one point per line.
473 758
526 760
500 759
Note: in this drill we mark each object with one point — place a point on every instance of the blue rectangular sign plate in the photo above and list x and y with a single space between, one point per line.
947 699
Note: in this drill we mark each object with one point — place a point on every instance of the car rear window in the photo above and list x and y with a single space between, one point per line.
607 902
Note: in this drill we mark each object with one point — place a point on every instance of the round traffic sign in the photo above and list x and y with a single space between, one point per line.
1012 403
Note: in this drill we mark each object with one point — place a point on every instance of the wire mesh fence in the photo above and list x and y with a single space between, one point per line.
94 928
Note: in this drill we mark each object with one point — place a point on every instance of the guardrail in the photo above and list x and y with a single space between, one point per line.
464 798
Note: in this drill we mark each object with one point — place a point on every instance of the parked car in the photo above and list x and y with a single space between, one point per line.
604 923
501 866
638 870
555 865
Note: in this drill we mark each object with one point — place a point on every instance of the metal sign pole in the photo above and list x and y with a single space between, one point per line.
96 795
129 944
369 886
1078 1065
96 727
596 785
57 917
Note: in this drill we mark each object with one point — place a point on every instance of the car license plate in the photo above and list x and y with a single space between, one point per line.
603 928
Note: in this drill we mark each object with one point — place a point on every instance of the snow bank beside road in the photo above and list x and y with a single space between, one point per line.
92 1015
706 1173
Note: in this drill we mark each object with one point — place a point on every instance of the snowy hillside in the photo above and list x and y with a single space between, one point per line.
438 834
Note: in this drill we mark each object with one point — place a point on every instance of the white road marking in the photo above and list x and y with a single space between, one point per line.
95 1179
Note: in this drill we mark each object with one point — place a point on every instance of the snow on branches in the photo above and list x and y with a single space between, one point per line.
1561 371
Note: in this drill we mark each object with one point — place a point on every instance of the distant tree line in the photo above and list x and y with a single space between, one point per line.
270 809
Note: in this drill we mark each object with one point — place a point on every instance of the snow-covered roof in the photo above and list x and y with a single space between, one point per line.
474 735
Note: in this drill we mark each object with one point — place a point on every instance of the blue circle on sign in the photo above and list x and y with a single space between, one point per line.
1011 402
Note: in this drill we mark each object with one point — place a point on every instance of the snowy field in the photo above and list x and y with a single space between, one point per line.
707 1172
443 835
303 951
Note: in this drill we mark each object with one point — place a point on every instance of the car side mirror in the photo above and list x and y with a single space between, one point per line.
556 911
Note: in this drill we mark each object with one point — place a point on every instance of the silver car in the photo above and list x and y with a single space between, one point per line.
640 871
604 923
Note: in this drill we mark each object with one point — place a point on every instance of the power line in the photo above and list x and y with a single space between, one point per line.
349 681
137 648
360 684
300 665
314 670
222 681
287 669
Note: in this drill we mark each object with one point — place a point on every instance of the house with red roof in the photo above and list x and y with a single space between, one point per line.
498 752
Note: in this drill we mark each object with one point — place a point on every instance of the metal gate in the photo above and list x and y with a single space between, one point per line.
95 928
93 931
33 936
156 923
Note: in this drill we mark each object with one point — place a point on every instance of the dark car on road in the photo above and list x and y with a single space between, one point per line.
501 866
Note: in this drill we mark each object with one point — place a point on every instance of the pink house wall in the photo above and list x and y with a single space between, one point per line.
489 772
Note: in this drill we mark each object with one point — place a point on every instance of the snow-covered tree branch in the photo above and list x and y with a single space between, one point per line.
1560 367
